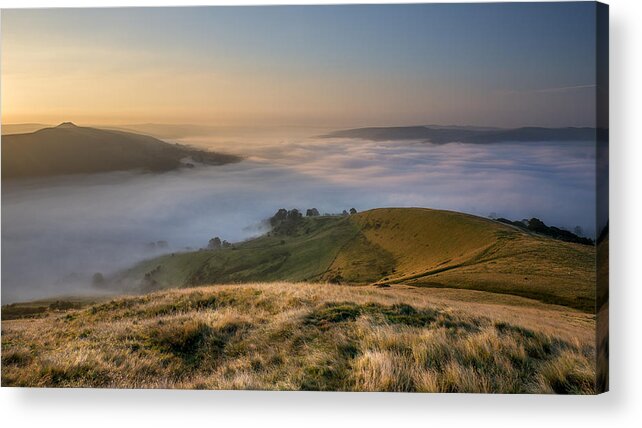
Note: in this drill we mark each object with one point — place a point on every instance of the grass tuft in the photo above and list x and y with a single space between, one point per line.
284 336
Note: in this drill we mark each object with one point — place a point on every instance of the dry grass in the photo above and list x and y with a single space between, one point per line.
287 336
436 248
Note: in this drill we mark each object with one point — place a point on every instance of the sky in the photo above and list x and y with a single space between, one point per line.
529 64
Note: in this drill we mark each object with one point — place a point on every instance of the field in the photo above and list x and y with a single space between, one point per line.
303 336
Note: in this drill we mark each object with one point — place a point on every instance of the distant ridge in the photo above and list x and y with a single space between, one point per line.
22 128
448 134
68 125
71 149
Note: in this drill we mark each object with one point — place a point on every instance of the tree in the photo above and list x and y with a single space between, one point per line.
98 279
353 211
286 222
294 215
226 244
344 213
537 225
312 212
214 244
280 215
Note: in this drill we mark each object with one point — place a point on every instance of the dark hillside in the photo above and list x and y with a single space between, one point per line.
69 149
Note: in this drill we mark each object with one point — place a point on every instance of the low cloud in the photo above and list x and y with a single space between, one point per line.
72 227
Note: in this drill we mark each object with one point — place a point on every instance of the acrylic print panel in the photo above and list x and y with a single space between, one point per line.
407 198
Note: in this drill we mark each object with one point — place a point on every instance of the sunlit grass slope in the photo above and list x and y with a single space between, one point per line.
302 256
303 336
414 246
448 249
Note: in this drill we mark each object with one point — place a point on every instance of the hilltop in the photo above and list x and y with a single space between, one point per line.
71 149
411 246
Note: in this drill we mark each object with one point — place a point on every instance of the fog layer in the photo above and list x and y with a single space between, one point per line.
57 233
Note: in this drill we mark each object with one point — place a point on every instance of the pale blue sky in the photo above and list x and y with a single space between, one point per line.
484 64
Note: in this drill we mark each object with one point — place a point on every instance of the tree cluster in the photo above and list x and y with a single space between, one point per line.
285 222
216 244
351 212
538 226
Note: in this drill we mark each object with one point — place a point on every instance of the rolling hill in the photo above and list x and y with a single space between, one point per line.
70 149
411 246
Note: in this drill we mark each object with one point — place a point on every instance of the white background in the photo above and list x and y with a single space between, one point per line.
620 407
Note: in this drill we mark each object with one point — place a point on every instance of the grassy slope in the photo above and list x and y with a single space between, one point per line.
412 246
302 257
302 336
448 249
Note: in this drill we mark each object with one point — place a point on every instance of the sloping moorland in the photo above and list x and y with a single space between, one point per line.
384 300
414 246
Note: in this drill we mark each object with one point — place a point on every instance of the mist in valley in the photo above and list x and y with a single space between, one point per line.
57 233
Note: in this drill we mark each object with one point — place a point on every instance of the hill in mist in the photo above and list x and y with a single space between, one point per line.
464 134
412 246
70 149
